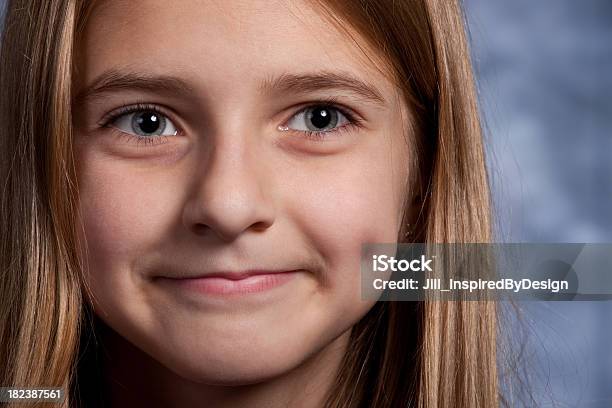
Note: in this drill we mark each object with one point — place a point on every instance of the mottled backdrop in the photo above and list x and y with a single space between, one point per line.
544 70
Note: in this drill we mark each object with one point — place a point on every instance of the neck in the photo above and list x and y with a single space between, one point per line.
134 379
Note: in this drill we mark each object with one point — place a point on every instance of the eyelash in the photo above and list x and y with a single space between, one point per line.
353 121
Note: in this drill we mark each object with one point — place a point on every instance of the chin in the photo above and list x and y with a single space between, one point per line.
224 369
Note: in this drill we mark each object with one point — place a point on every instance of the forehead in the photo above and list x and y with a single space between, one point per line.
227 41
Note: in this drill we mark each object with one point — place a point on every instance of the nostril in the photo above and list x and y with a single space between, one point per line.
200 229
260 226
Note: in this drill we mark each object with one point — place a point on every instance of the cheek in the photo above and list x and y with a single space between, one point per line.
357 200
124 215
355 206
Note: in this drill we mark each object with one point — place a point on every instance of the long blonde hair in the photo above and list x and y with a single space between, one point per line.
423 354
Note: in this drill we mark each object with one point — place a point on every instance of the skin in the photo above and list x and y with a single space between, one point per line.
231 191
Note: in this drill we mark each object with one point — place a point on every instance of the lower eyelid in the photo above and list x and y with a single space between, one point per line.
328 135
137 140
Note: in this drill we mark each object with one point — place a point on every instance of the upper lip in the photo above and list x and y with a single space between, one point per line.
232 275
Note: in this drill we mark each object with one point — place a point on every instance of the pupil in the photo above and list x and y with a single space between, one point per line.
148 122
320 117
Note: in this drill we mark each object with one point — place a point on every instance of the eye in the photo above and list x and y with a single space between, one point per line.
144 122
318 118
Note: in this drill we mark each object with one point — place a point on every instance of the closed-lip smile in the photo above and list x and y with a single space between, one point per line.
231 282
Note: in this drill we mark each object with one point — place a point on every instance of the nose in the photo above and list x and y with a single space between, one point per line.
229 195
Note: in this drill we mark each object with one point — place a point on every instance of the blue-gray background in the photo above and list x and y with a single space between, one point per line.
544 70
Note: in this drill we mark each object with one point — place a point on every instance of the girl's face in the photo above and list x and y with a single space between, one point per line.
218 137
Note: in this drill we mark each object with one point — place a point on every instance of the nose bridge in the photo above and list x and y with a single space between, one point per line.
231 176
230 192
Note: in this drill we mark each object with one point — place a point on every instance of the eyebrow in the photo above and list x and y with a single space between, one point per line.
325 80
114 80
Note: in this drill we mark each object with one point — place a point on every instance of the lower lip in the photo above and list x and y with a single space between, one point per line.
224 286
